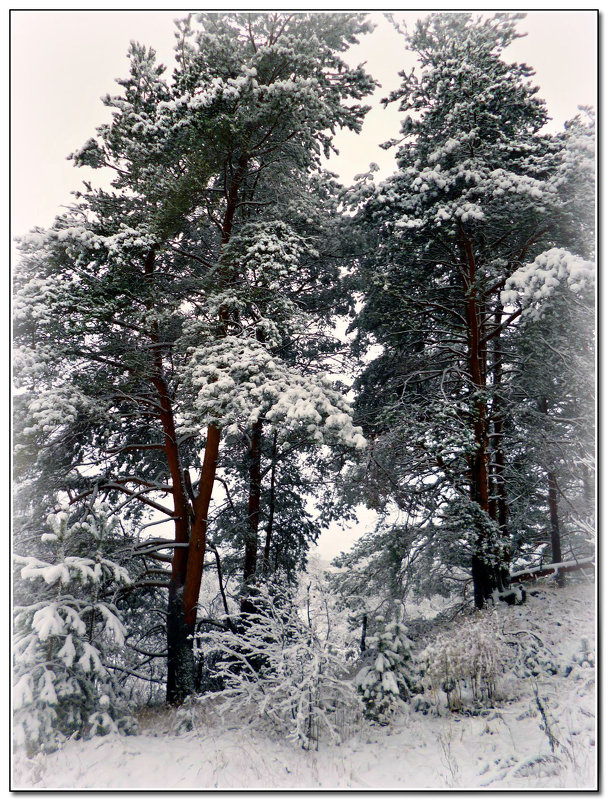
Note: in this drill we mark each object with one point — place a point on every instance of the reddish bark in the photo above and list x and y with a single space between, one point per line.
181 506
477 371
483 573
198 535
188 564
190 518
548 570
180 661
488 560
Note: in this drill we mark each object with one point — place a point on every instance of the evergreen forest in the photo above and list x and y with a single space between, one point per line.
222 351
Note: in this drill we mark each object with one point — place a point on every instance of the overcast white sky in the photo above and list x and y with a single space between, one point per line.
63 61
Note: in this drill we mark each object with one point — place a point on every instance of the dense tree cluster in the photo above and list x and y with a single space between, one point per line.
478 288
177 364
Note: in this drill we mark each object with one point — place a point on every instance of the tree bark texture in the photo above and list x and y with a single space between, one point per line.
180 661
181 669
198 534
253 514
552 497
552 501
501 513
485 558
190 517
271 506
181 618
187 565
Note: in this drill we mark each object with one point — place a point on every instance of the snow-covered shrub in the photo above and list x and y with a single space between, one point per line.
529 657
288 665
185 716
584 656
65 635
465 663
389 680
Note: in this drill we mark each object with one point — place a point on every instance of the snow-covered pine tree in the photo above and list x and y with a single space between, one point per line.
287 435
389 680
67 635
551 402
133 287
551 395
480 191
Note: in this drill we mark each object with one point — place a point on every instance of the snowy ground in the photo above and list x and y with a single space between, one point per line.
520 744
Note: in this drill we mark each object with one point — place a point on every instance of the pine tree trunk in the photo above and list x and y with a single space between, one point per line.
556 545
271 507
253 513
188 563
502 504
500 487
552 500
180 659
181 669
483 563
198 535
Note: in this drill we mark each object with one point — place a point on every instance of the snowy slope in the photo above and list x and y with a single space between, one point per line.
541 734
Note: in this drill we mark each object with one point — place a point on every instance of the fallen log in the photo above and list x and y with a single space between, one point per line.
556 568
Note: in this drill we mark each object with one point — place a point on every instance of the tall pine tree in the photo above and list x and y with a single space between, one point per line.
480 192
150 317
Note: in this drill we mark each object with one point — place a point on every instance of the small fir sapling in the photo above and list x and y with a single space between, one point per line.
390 680
66 635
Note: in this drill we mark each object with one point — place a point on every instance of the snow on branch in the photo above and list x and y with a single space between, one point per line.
238 380
532 284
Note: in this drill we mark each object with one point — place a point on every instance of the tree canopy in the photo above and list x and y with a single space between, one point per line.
176 355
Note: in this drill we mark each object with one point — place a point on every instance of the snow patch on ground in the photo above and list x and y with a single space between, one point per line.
541 734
